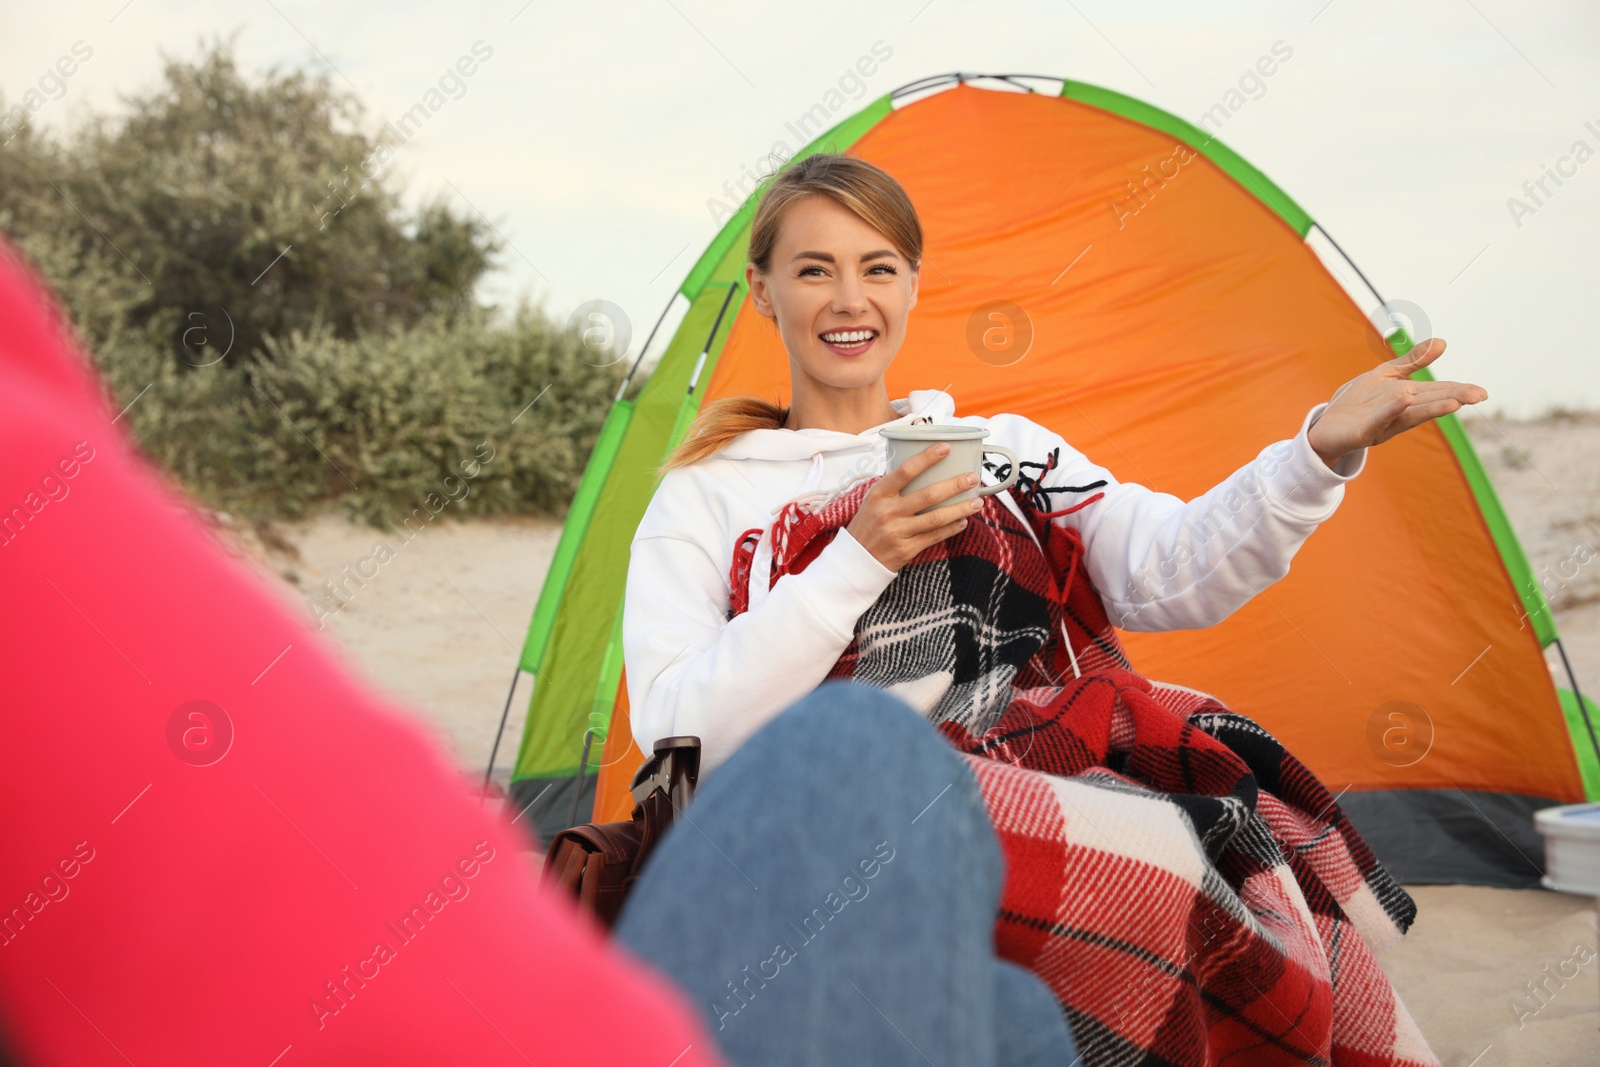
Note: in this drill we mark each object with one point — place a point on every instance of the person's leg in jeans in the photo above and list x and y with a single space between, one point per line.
830 897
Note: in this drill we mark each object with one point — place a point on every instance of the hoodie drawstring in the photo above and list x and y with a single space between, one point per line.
809 493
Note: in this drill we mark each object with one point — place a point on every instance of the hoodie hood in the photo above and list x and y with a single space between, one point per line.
921 406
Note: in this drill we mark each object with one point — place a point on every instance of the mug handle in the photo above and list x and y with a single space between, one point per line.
1011 479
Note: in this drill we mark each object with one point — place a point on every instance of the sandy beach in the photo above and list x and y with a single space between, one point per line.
1493 977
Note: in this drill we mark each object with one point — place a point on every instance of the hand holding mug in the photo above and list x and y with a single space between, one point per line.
888 524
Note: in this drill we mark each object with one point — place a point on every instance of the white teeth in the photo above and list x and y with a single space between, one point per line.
846 337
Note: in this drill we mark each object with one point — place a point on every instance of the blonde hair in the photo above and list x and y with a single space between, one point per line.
854 184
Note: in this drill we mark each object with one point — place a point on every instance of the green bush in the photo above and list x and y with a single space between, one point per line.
358 370
375 423
190 197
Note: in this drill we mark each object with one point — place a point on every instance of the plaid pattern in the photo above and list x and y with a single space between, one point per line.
1189 891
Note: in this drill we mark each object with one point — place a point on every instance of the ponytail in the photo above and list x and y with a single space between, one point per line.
720 422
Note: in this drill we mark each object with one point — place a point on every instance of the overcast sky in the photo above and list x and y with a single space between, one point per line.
597 134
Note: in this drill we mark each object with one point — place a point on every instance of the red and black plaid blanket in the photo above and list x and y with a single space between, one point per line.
1187 888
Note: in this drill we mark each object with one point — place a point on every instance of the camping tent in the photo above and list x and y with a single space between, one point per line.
1121 276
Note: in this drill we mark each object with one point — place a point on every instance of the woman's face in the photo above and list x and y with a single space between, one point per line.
839 291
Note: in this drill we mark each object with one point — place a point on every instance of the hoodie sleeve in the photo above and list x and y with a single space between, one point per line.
1162 563
692 670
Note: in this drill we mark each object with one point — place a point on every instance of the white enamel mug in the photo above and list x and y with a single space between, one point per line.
966 454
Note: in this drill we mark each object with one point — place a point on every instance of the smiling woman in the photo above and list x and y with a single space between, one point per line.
779 551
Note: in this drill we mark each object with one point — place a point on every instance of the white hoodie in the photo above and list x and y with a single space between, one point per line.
1158 563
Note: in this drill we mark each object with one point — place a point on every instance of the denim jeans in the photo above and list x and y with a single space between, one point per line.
830 898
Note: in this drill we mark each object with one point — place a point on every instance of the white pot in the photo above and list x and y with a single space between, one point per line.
1571 848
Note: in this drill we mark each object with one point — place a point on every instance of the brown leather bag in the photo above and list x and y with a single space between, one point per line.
599 862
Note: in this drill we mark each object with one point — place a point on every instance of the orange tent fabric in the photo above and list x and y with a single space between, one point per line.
620 757
1179 325
1124 278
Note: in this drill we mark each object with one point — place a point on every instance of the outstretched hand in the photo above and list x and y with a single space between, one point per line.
1373 407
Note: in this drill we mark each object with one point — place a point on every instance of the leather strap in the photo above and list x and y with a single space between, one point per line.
597 863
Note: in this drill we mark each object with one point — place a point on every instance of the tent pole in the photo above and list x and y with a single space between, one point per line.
1373 289
583 769
504 715
705 350
623 388
1583 708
